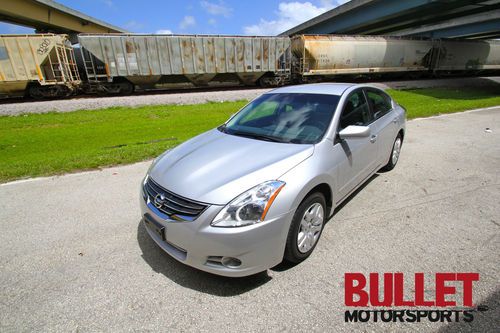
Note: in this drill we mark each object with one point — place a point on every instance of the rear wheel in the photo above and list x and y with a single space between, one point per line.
306 228
396 151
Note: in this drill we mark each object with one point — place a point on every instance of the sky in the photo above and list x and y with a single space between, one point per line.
228 17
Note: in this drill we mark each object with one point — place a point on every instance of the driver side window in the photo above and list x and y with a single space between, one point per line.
356 111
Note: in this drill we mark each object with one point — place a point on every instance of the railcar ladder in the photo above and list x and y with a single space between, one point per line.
90 68
73 67
60 67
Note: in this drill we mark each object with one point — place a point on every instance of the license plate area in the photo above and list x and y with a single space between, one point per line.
155 227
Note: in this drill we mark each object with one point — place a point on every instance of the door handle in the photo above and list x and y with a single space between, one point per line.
395 120
373 138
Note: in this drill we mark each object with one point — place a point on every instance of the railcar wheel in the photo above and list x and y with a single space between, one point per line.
35 92
126 88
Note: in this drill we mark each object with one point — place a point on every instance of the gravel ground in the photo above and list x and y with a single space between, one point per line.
88 103
74 255
196 97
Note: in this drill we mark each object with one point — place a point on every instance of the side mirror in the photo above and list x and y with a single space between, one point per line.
354 131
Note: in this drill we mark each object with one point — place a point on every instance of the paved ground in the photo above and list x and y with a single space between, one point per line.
195 97
74 256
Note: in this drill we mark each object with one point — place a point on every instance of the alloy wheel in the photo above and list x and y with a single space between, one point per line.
310 227
396 150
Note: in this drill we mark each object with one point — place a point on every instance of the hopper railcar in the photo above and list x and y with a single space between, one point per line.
326 57
119 62
39 65
45 65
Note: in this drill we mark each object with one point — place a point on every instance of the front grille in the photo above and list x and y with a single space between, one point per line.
173 205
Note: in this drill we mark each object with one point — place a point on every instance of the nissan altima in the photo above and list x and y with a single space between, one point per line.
258 189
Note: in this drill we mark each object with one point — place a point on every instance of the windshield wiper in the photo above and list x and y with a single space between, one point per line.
258 136
295 141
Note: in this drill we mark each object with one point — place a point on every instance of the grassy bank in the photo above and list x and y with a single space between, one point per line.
54 143
430 102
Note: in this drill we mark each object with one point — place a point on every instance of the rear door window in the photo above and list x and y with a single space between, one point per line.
379 101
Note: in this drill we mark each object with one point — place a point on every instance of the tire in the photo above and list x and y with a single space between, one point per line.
296 251
395 152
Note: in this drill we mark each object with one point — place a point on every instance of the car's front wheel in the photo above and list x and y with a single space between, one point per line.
395 152
306 228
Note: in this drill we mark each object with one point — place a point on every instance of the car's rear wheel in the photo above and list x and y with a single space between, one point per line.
306 227
395 152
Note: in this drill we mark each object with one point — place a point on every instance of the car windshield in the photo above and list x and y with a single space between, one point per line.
290 118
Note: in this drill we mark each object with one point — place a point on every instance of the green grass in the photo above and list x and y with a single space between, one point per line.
430 102
54 143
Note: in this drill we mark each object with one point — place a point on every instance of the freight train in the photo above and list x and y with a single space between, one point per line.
46 65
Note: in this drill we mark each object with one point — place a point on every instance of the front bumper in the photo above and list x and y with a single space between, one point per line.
198 244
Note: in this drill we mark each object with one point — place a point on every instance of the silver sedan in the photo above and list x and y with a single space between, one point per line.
257 190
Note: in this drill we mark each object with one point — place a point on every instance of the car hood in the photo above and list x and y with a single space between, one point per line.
215 167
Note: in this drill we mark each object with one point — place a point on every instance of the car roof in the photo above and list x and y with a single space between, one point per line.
315 88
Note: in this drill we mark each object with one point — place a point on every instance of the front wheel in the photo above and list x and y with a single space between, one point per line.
396 151
306 228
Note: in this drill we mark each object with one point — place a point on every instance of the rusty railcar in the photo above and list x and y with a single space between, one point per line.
117 62
39 65
331 55
466 56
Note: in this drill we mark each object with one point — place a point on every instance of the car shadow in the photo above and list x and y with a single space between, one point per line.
486 317
283 266
192 278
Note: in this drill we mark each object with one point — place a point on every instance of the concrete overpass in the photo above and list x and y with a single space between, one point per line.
424 18
49 16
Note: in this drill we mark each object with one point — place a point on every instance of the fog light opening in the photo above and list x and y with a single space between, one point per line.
231 262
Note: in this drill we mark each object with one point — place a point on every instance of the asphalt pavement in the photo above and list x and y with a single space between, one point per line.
74 256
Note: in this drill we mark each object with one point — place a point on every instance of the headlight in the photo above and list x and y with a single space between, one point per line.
250 207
